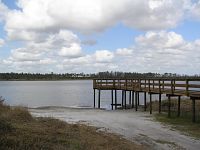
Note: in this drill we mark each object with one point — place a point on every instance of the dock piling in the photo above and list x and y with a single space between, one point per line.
132 99
115 99
150 107
179 106
112 99
193 111
169 106
145 101
99 99
94 99
159 103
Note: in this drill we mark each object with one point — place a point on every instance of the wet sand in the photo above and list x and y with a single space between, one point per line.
135 126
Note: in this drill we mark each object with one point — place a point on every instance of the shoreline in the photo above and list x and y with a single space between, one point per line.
135 126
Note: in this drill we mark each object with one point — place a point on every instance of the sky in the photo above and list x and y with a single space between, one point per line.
43 36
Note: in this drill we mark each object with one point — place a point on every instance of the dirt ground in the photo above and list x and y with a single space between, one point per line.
135 126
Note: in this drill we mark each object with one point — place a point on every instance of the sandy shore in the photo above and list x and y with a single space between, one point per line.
135 126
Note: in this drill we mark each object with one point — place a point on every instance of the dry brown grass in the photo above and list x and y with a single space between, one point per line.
19 130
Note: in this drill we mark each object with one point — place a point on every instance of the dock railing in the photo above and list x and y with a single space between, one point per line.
182 87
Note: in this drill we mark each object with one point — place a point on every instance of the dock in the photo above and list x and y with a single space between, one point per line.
171 87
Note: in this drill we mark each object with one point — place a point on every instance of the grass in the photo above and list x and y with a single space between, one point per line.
19 130
183 123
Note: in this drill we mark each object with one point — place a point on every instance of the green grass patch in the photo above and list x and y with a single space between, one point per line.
183 124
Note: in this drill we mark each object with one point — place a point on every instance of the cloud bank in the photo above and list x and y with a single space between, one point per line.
49 32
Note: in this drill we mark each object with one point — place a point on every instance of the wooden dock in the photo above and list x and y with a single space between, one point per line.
175 87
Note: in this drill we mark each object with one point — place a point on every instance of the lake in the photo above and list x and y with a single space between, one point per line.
70 93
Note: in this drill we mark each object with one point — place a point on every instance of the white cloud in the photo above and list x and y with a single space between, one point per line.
124 52
45 27
160 39
47 61
74 50
90 16
154 51
103 56
162 52
22 54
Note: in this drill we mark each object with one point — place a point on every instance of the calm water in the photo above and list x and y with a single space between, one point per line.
72 93
78 93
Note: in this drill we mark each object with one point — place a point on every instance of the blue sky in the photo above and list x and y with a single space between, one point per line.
94 35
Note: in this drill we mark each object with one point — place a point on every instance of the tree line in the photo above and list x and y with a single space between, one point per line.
106 74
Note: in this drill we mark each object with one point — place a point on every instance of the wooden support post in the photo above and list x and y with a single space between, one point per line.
115 99
159 103
94 99
193 111
138 99
145 101
112 99
132 99
136 105
179 106
122 98
150 103
99 103
125 99
169 106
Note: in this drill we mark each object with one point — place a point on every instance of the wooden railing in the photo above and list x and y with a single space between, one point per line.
182 87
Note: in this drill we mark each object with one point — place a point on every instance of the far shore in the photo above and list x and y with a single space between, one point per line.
49 79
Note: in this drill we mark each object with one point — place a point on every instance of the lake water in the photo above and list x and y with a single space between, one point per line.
71 93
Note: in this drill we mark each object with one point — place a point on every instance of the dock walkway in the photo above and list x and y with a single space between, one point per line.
175 87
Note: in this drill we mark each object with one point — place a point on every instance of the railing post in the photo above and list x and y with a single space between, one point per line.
153 83
159 86
163 85
149 85
94 83
139 80
172 87
114 84
126 84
